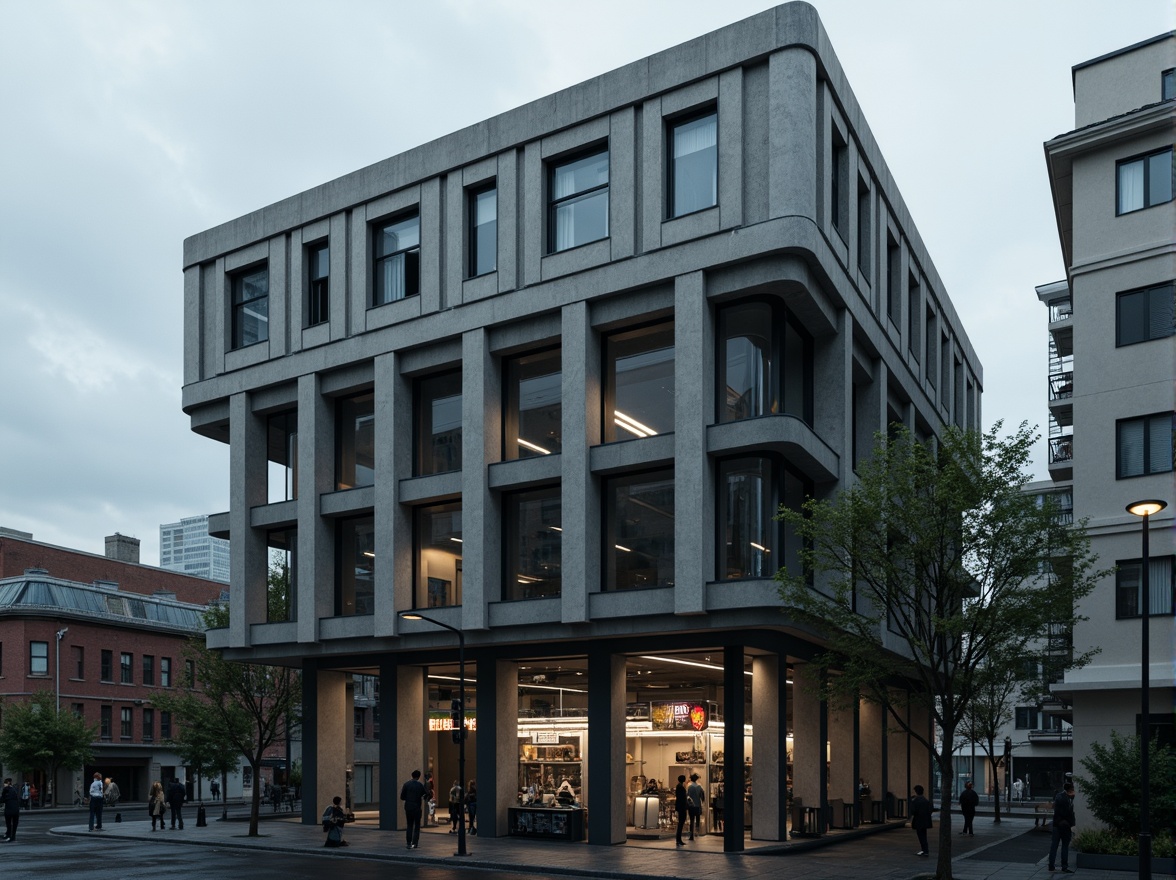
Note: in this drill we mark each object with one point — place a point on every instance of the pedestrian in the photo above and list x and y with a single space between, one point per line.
696 797
110 793
10 797
333 821
175 800
430 816
96 802
455 811
681 807
24 795
921 819
1063 827
472 806
156 805
969 800
33 802
214 787
1017 786
413 793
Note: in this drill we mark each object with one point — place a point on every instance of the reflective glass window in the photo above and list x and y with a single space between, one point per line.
318 271
533 541
534 405
438 424
250 291
356 576
282 456
578 201
355 441
639 382
1145 445
438 555
1144 181
694 164
747 507
38 658
1144 315
746 383
397 254
639 531
281 579
483 230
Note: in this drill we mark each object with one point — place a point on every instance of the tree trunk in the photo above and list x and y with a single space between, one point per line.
995 787
943 857
255 801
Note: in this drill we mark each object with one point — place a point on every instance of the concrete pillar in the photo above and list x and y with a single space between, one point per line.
333 723
411 720
314 577
842 754
792 133
897 752
248 563
497 743
734 748
769 712
580 363
389 783
604 790
808 740
393 520
481 445
872 728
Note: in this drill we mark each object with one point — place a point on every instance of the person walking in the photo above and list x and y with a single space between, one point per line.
697 797
413 793
681 807
472 806
175 800
430 800
10 797
921 819
24 795
333 821
156 805
96 803
1063 827
455 806
969 800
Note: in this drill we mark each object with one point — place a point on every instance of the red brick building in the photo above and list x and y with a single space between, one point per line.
105 634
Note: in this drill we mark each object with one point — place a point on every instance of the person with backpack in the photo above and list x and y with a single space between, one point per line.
175 800
333 821
156 805
695 798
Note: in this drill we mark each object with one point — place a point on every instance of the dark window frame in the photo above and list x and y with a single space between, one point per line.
1147 443
1156 298
1128 595
241 304
350 412
106 722
784 325
318 283
106 667
38 660
516 583
610 429
473 239
149 669
672 126
1168 84
839 185
411 258
350 600
165 672
148 723
610 545
425 587
426 460
126 667
1144 159
126 723
555 203
514 446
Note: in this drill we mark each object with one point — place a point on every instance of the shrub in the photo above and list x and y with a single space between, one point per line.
1111 843
1112 788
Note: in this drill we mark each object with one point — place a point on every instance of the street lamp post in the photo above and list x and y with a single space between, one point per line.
459 733
1145 509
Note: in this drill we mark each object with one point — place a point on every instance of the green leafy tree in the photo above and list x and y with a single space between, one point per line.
927 572
990 710
279 593
1115 779
36 736
249 706
200 740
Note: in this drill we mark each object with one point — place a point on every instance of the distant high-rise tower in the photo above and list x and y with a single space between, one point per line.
186 546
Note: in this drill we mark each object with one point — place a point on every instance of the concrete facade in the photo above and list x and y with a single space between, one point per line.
804 218
1109 376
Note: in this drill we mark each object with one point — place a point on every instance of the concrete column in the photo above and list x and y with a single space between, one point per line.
842 754
769 712
922 721
315 575
248 563
389 784
497 743
808 741
332 722
312 786
731 135
580 363
872 726
393 526
604 790
481 445
411 720
734 749
897 752
508 223
694 490
792 133
833 390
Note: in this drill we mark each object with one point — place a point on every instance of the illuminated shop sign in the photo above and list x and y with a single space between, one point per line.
439 721
668 715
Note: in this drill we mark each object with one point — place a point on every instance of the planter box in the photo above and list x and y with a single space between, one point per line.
1124 863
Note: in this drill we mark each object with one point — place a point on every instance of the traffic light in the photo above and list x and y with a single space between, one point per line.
456 716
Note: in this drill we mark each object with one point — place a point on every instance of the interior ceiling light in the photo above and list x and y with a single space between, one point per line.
369 554
631 425
456 540
532 446
619 547
688 663
549 687
760 547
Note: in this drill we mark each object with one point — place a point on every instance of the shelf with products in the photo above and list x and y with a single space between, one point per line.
545 766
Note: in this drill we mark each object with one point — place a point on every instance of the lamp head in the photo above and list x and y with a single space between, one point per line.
410 615
1146 507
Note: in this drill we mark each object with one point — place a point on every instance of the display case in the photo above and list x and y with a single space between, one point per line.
546 765
551 823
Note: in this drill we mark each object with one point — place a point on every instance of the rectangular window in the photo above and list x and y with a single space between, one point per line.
914 309
1144 315
355 441
437 533
482 205
639 531
930 339
149 669
1129 587
1144 445
639 382
1168 85
79 658
747 508
126 668
533 423
38 658
318 276
281 585
165 672
358 725
250 306
106 722
893 281
694 164
125 723
190 673
79 709
148 725
865 248
577 201
357 567
282 457
1026 717
839 187
1145 181
438 424
397 268
106 670
533 544
165 730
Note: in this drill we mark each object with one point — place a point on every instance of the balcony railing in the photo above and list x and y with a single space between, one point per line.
1060 311
1061 385
1061 449
1051 735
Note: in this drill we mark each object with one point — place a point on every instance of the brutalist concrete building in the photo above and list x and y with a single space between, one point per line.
545 381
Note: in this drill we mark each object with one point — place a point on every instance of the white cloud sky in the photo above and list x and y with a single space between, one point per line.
131 125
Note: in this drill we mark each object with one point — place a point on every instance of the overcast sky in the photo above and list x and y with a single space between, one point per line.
127 126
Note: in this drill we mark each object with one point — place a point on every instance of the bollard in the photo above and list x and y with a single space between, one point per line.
118 817
201 822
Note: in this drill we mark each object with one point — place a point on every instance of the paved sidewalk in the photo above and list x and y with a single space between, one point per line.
885 856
